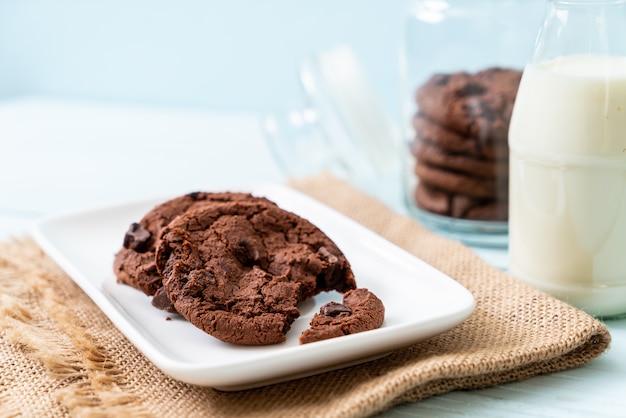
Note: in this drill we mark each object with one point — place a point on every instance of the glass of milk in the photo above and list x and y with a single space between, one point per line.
567 141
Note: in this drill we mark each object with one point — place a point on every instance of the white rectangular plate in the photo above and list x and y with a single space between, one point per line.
420 301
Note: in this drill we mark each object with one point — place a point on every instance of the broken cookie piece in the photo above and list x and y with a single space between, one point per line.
360 311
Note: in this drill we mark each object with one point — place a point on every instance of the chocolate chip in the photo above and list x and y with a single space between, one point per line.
162 302
137 237
196 196
334 309
472 89
248 251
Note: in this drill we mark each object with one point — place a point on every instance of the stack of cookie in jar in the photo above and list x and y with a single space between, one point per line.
460 147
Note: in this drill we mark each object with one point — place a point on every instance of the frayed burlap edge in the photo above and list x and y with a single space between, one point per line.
69 362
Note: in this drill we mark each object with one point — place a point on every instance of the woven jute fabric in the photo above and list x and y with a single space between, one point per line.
60 356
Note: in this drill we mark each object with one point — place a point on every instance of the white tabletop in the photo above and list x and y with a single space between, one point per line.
58 156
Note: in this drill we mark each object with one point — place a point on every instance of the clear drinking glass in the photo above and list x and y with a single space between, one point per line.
567 141
341 128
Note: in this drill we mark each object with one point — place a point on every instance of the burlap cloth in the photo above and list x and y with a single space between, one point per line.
60 356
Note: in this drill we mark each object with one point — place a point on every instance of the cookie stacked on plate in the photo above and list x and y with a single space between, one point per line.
461 145
236 266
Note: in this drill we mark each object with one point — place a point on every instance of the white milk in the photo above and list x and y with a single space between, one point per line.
567 223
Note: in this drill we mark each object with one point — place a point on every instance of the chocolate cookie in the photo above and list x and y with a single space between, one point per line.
237 270
476 105
360 311
429 131
459 205
433 155
134 263
432 199
475 186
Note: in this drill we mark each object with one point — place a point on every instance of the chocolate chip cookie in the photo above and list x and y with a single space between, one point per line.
436 156
360 311
237 270
134 264
454 182
477 105
459 205
453 142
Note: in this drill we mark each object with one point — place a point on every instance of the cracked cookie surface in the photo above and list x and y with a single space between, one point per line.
134 263
237 270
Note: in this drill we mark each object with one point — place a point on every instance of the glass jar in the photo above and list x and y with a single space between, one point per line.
462 65
568 158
